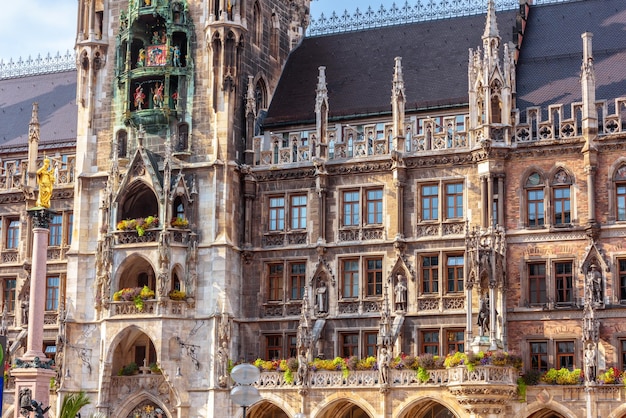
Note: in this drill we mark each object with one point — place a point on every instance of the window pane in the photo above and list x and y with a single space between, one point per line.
562 206
455 273
350 278
374 277
539 356
430 342
56 231
13 234
375 206
537 283
454 200
52 293
275 282
351 208
564 282
535 207
298 212
277 214
620 199
430 203
9 295
430 274
297 280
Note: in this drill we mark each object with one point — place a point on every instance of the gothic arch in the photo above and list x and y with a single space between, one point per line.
137 200
323 270
619 412
129 273
336 406
560 175
421 406
270 405
550 409
135 400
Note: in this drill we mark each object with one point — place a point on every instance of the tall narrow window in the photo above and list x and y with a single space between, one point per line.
430 342
69 228
374 206
565 354
374 277
622 344
298 212
292 340
564 282
430 274
620 201
351 208
13 234
537 283
296 280
454 200
370 341
562 206
275 282
430 202
539 356
55 227
622 278
9 295
274 347
52 293
277 214
534 201
349 344
350 278
455 273
455 341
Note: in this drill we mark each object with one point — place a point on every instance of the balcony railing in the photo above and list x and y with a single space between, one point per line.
150 307
406 377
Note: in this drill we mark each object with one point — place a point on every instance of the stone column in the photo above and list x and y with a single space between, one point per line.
33 371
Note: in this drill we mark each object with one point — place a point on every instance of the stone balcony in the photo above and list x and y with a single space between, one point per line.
485 389
151 307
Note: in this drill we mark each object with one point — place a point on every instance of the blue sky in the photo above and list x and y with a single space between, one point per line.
41 27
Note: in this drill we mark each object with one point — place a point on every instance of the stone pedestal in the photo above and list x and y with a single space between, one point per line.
37 380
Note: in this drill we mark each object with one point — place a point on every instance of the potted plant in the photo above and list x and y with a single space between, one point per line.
177 294
140 224
179 222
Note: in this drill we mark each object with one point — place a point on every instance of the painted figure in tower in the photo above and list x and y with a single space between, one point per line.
141 58
176 56
45 180
139 98
157 95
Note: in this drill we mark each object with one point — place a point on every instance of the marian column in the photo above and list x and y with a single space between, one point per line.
33 371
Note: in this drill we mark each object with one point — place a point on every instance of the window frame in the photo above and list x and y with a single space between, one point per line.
55 228
569 279
565 355
456 344
559 212
373 206
428 345
373 276
9 294
454 200
353 275
621 277
298 211
12 235
296 277
458 282
433 202
276 214
349 348
53 292
538 278
275 282
433 287
273 346
538 358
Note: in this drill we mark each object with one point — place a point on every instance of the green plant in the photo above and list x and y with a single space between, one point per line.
154 368
177 294
139 224
129 369
521 389
179 222
562 376
423 374
72 404
532 377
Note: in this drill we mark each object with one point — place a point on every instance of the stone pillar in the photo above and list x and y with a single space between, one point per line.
33 371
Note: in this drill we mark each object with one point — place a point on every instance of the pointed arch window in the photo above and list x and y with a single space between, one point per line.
182 143
619 181
257 24
534 191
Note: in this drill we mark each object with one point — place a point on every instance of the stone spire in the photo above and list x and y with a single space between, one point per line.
398 105
491 27
321 112
33 144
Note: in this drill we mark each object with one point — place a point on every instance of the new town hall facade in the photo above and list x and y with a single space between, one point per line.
233 185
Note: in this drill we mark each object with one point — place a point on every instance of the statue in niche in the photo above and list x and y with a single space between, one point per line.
483 316
594 284
400 293
222 365
322 297
25 400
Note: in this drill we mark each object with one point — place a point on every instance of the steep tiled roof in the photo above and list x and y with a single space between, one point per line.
56 95
359 68
551 55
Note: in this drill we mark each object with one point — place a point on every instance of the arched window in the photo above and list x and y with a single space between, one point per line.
561 198
534 194
619 183
260 95
257 24
179 208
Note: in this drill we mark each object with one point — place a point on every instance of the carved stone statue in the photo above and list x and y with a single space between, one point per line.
221 366
383 365
590 363
322 297
303 368
483 316
594 284
45 180
25 399
400 293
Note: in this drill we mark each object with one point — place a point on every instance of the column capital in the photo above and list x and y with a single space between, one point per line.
41 217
